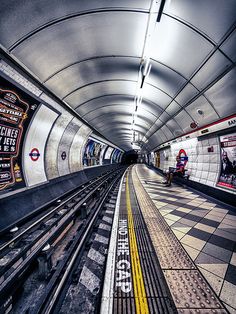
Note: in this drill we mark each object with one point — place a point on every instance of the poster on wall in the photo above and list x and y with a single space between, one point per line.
16 111
92 153
227 176
157 159
120 156
115 155
108 152
104 147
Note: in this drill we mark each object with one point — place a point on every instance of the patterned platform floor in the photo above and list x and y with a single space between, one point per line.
205 228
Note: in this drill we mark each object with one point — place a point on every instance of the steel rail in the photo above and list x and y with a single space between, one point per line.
7 244
51 303
58 225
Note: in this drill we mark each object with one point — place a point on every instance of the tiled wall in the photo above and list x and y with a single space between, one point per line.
202 166
206 167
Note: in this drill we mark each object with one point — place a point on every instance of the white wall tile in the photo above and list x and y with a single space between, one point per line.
210 183
213 141
203 181
205 166
213 167
204 175
212 176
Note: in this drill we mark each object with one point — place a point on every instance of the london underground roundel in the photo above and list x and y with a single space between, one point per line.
34 154
183 156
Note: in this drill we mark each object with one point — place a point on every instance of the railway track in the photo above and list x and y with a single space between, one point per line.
33 241
71 267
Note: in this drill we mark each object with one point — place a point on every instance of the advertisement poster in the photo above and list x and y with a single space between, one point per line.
115 155
92 153
227 176
16 111
108 152
157 159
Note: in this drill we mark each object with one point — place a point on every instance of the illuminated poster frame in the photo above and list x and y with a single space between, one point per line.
108 152
92 153
227 175
17 108
115 155
157 159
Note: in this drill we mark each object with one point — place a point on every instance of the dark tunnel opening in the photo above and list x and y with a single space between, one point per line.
130 157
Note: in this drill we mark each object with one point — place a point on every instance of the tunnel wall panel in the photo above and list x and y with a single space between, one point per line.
53 143
77 146
65 145
102 154
34 146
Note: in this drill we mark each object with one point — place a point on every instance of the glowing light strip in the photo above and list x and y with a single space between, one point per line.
145 66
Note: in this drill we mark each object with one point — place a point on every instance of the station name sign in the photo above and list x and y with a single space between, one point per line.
232 122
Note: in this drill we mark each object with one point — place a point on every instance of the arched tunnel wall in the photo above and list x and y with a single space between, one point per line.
42 147
49 161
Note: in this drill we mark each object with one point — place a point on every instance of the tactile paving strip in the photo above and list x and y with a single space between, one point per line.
204 311
173 257
189 289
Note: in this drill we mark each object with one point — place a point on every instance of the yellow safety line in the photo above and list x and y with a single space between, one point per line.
138 282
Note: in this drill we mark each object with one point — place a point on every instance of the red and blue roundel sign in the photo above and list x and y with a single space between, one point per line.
34 154
183 156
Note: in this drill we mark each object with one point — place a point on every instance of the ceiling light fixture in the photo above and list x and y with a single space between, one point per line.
145 70
155 12
200 111
161 10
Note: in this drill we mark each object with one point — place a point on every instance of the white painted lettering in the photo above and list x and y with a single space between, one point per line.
123 272
124 286
121 275
123 264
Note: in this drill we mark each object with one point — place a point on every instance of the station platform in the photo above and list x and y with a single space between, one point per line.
171 250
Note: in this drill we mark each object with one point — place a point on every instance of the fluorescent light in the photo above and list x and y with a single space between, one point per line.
161 10
155 12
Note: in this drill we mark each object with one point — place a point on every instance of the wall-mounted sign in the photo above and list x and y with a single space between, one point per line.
63 155
92 153
157 159
210 149
193 125
115 155
34 154
227 178
108 153
183 157
16 110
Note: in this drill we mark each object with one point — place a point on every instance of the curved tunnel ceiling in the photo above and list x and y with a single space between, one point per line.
91 54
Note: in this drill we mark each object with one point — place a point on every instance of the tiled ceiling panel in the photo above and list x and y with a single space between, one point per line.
222 94
173 40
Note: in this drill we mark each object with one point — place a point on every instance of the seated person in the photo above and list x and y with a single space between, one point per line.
177 171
